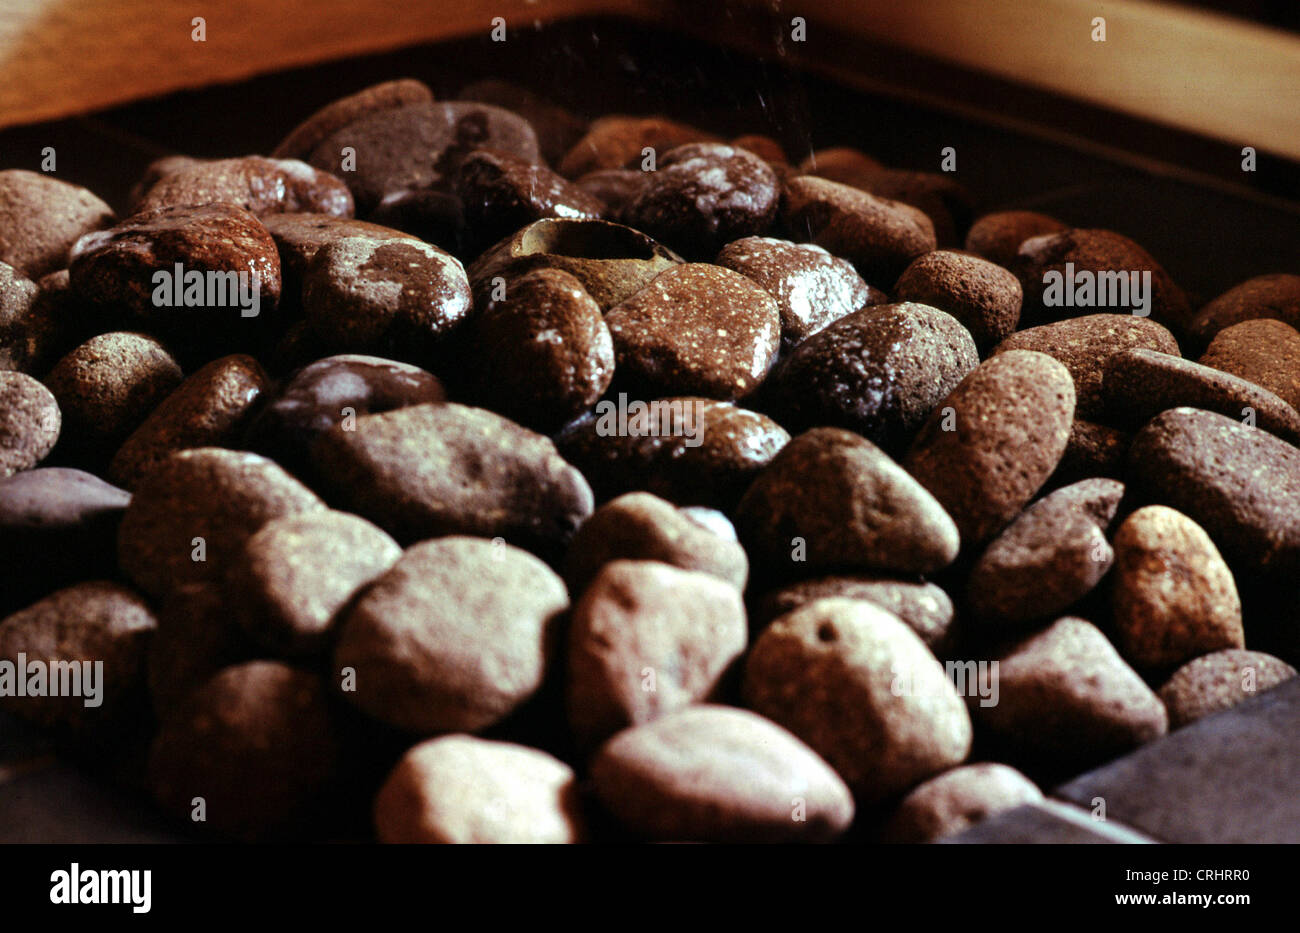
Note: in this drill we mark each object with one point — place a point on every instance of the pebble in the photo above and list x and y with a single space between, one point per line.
1173 597
29 422
1052 555
1093 450
542 355
612 261
325 393
307 135
108 385
704 195
197 637
980 294
924 607
1139 384
440 469
257 743
41 217
833 500
812 288
1265 297
879 371
384 296
219 496
558 129
863 691
879 236
298 237
292 578
456 636
254 183
437 217
209 409
717 774
1218 681
458 789
1263 351
997 236
1066 699
1010 421
842 164
1241 484
956 800
418 146
945 202
1085 344
619 141
500 193
94 621
697 329
710 462
645 640
18 321
640 526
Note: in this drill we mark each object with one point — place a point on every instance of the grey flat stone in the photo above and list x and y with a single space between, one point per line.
1050 822
1231 777
59 804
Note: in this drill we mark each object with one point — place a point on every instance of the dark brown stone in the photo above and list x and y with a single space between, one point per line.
41 217
256 184
982 295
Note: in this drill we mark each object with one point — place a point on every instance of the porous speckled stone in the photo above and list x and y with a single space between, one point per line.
307 135
1263 351
923 607
1270 297
29 422
997 236
982 295
257 184
41 217
1218 681
957 800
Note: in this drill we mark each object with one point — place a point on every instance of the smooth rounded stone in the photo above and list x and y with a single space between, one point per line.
296 573
841 164
298 237
982 295
1067 699
924 607
616 188
108 385
1241 484
390 297
879 371
1267 297
1010 421
863 691
334 116
441 469
1139 384
459 789
645 640
945 202
418 146
1263 351
29 422
454 637
18 296
500 193
765 147
704 195
197 637
95 621
697 329
1173 597
257 184
209 409
542 355
258 743
219 496
717 774
956 800
879 236
997 236
428 214
1096 252
557 128
118 269
612 261
1093 450
57 526
1050 557
1218 681
710 461
41 217
642 527
831 499
812 288
1084 344
328 392
619 141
